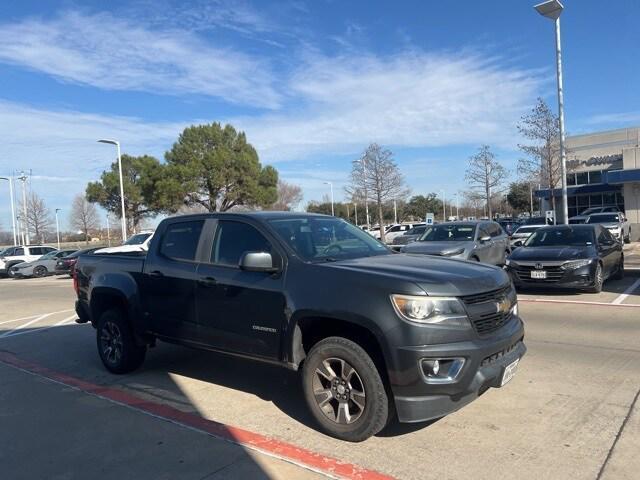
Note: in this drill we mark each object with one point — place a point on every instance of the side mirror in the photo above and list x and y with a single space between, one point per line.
485 239
257 262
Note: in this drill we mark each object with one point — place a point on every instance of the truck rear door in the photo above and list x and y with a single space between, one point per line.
168 284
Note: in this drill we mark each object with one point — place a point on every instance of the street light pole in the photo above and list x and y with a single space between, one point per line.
331 185
444 206
355 208
13 211
552 9
25 222
58 227
124 218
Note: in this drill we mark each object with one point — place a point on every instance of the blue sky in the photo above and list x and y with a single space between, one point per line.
311 83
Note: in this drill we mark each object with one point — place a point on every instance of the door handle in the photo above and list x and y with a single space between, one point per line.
156 274
207 282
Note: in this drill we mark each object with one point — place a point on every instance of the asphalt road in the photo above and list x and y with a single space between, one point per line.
570 412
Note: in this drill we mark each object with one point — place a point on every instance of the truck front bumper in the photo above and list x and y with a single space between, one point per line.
485 362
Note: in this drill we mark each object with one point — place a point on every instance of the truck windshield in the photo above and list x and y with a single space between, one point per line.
326 239
449 233
561 237
604 218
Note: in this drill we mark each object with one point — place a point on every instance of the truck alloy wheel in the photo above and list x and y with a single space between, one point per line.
116 345
344 390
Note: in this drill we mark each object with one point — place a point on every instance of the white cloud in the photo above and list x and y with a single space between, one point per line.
412 99
614 118
113 53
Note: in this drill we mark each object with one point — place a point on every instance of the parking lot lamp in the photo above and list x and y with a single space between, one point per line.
58 227
124 218
552 9
25 217
331 185
13 210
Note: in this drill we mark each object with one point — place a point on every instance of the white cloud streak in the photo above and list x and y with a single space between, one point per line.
113 53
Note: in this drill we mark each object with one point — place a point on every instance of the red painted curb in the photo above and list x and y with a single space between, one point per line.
239 436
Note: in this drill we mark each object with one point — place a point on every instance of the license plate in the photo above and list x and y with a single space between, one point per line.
509 372
539 274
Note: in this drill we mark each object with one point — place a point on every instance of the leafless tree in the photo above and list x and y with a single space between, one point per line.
289 196
377 174
38 217
542 165
485 174
83 216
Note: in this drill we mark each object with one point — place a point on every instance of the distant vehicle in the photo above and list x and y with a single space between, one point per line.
616 223
398 230
482 241
536 221
41 267
408 237
136 243
567 256
509 225
65 265
522 233
14 255
582 218
414 339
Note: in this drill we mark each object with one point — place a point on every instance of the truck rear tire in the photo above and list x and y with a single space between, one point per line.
344 390
116 345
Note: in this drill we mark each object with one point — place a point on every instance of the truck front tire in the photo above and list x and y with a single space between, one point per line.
116 345
344 390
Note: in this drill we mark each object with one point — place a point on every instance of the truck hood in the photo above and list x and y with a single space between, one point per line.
436 276
541 254
435 248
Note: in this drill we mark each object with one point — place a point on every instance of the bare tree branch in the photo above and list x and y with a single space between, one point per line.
485 174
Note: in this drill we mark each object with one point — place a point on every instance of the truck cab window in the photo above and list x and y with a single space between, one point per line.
233 239
180 241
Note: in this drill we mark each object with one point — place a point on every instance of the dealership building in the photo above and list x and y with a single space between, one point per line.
604 170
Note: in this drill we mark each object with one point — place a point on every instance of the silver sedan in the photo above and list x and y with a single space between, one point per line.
41 267
482 241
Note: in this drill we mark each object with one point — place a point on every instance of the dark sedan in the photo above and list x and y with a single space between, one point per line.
567 256
65 265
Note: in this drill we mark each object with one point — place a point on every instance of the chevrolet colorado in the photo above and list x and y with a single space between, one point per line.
377 335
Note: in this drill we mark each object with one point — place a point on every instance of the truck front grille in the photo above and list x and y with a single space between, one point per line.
482 310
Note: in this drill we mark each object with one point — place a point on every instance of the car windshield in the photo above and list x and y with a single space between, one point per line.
326 239
416 231
449 233
561 237
137 239
535 220
49 255
609 218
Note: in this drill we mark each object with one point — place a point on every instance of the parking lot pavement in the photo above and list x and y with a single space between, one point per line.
569 412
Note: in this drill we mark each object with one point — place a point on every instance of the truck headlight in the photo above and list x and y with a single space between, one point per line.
430 310
573 264
454 253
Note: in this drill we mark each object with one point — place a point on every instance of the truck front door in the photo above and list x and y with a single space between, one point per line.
239 310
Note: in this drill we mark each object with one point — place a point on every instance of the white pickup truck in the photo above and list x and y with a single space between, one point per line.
616 223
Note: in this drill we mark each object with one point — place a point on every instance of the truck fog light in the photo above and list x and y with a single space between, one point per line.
441 370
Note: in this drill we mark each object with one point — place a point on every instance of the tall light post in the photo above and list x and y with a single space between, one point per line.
355 208
457 206
552 10
331 185
58 227
25 218
13 210
366 198
124 218
444 206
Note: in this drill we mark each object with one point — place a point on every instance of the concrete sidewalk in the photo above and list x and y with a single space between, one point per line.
76 435
623 462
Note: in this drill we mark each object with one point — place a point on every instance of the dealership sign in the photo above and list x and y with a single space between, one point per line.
603 160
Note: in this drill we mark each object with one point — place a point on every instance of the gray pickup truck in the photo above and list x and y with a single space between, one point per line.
377 336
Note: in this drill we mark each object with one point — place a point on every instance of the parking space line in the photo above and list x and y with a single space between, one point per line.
627 292
299 456
579 302
17 332
33 316
24 325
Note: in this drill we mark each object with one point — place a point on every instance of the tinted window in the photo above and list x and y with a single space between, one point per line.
561 236
495 230
526 229
234 239
180 241
18 252
137 239
416 231
449 232
37 251
595 177
605 237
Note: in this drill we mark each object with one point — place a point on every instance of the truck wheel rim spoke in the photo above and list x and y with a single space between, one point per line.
111 342
339 391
